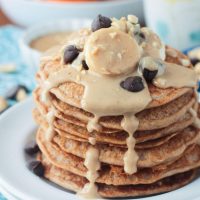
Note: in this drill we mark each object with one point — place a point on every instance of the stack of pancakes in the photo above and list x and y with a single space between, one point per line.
166 139
167 143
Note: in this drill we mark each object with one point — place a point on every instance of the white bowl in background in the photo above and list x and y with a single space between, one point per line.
30 56
29 12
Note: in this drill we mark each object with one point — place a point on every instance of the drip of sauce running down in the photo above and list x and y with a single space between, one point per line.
50 115
130 124
90 190
50 131
93 124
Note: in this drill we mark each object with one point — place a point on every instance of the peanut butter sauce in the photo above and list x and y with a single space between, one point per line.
90 190
176 76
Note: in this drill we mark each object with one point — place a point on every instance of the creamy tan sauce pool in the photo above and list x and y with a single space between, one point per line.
45 42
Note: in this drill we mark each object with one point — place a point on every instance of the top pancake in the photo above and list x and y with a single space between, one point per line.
153 118
72 93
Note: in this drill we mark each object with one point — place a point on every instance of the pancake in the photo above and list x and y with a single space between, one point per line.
150 119
113 175
81 134
147 157
112 155
118 138
75 183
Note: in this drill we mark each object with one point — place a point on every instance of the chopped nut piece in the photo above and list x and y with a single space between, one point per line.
119 55
184 62
113 35
8 68
21 95
78 78
161 81
92 140
133 19
195 53
3 104
155 44
129 25
197 70
120 24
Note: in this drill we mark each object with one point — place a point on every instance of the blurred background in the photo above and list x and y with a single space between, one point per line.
30 27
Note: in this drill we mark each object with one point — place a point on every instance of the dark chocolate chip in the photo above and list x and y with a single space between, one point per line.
70 54
37 168
31 148
84 64
133 84
101 22
12 92
140 37
194 61
149 75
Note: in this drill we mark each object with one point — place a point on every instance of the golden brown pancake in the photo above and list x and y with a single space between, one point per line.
71 131
150 119
74 163
74 182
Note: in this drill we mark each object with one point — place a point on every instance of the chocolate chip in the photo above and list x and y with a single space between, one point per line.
133 84
12 92
31 148
149 75
151 67
84 64
194 61
37 168
101 22
140 37
70 54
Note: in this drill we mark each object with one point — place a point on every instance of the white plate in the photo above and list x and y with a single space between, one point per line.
16 127
7 194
